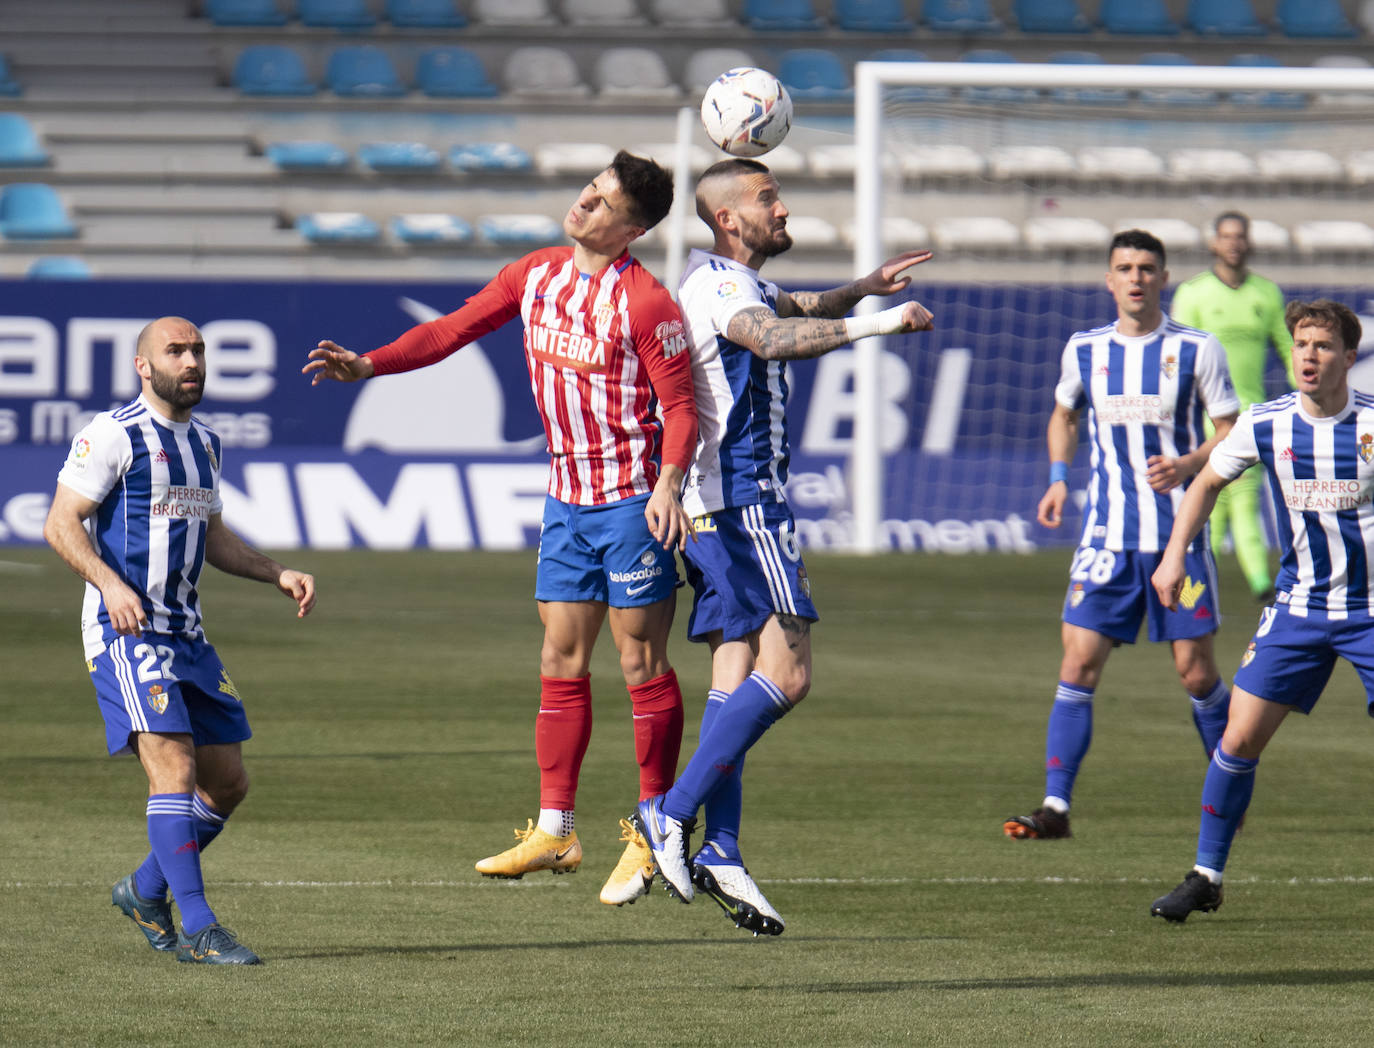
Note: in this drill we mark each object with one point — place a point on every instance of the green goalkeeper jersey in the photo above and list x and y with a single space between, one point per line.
1245 320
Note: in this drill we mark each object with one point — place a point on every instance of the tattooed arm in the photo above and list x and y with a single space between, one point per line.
838 301
771 337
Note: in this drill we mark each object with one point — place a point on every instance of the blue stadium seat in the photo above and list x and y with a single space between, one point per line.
1273 99
308 156
338 227
959 16
910 94
19 145
9 86
1174 96
425 14
1223 18
245 12
431 229
524 230
1050 16
58 267
490 156
1116 96
33 211
872 16
815 74
336 14
781 14
998 95
453 72
1137 18
271 69
362 71
1308 18
399 156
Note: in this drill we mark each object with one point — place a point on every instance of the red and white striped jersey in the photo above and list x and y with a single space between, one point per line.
604 350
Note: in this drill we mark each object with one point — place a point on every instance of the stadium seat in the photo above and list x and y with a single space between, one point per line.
431 228
911 94
513 12
19 145
1050 16
698 14
705 66
1120 163
604 13
634 72
872 16
1269 236
58 267
899 233
976 234
1210 164
9 86
769 15
815 74
838 160
519 230
1359 167
1177 234
399 157
33 211
1223 18
1137 18
453 72
998 95
699 158
543 72
245 12
1333 237
425 14
811 232
1110 96
271 69
577 159
336 14
1031 163
1342 98
1275 99
362 71
1065 233
338 227
308 156
784 161
941 161
1173 96
1314 18
490 156
1299 165
959 16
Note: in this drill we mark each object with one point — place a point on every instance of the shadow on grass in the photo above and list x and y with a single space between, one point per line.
1114 980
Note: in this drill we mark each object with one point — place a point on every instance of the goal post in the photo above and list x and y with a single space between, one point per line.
879 137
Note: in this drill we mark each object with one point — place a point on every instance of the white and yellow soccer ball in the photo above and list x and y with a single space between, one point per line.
746 111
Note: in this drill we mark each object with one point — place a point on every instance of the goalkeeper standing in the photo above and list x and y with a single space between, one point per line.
1245 312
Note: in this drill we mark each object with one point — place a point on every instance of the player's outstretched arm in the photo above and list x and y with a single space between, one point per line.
232 555
329 360
1193 512
66 533
667 520
887 279
772 337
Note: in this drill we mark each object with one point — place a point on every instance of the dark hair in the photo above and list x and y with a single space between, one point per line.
1324 313
648 186
1231 216
1138 240
735 165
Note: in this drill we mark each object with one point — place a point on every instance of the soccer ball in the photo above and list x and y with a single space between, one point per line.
746 111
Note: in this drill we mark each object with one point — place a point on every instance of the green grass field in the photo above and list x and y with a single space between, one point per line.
394 739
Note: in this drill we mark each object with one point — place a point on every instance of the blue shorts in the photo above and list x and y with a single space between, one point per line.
602 553
1110 592
745 566
1290 658
168 684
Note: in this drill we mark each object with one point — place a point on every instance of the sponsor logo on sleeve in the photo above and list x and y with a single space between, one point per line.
671 337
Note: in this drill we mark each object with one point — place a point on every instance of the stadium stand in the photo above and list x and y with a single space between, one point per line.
1275 99
1313 18
959 16
1063 233
1137 18
1306 166
1178 234
789 15
338 227
604 13
33 211
1123 163
425 14
995 95
336 14
489 157
1050 16
634 72
363 71
19 144
1031 163
1333 237
1223 18
9 86
519 230
245 12
431 228
453 72
308 156
976 234
543 72
705 65
59 267
513 13
815 74
1174 96
1107 96
872 16
272 69
399 157
700 15
572 158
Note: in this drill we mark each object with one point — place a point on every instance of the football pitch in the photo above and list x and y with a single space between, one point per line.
394 747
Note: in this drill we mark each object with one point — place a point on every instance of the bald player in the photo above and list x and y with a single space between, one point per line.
753 601
136 514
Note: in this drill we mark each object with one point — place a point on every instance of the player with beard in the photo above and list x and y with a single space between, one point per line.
753 605
137 514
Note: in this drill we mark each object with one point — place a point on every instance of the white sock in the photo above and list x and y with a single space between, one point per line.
556 822
1056 804
1212 875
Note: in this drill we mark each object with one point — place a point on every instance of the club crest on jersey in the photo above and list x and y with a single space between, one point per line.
605 313
1076 595
157 699
1169 366
1366 448
226 685
1249 655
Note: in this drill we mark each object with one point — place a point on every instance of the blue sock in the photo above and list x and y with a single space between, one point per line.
725 805
1067 738
751 710
1225 796
149 880
172 833
1209 714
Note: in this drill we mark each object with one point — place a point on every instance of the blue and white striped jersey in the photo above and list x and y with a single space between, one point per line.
742 453
157 483
1145 395
1321 475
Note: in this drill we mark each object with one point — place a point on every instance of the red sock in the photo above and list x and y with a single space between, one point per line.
561 733
657 706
